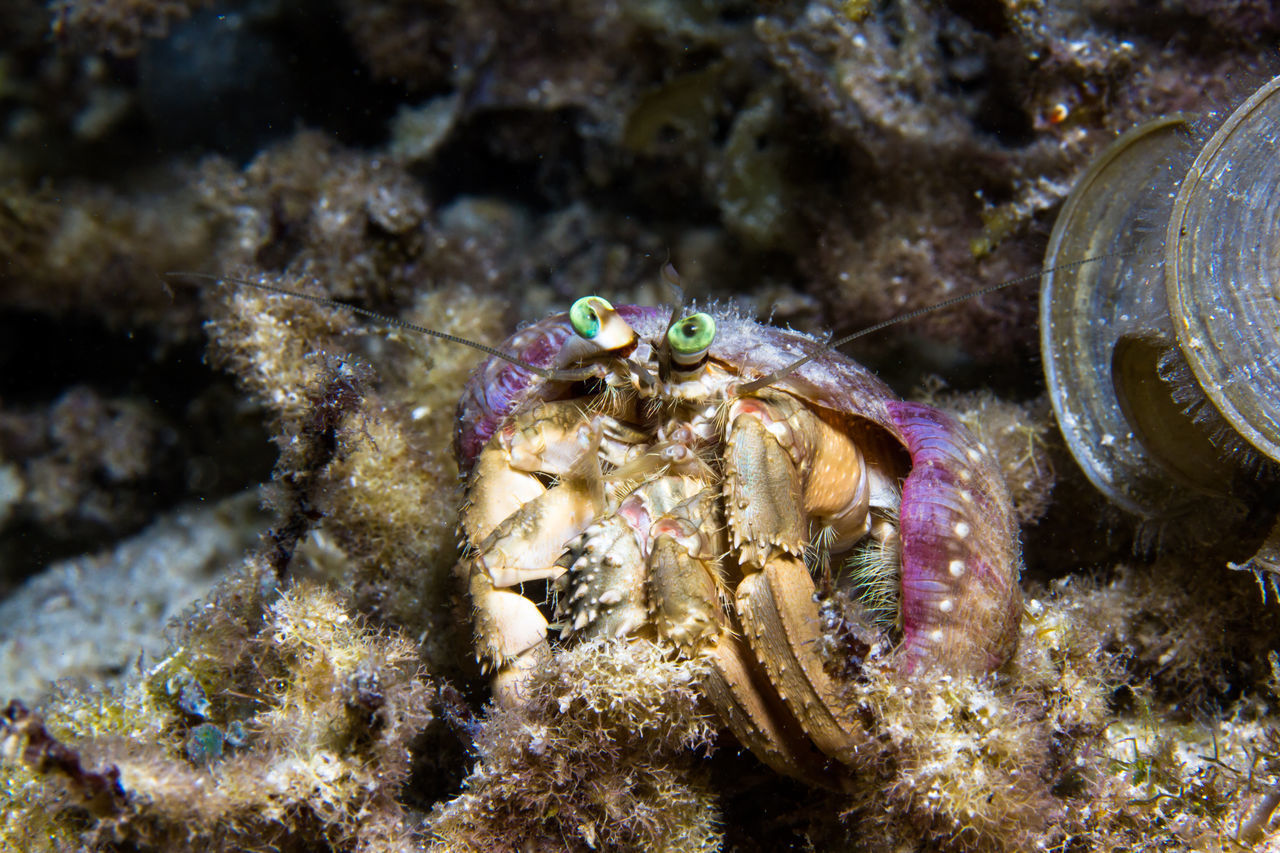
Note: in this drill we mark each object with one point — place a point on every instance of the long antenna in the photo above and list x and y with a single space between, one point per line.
374 315
769 379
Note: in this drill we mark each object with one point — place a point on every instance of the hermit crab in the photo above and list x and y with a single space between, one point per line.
681 477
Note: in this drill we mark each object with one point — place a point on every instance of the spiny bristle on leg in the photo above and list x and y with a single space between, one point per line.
611 399
817 554
722 414
873 573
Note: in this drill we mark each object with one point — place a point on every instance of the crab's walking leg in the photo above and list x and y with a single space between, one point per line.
786 468
684 588
524 544
755 716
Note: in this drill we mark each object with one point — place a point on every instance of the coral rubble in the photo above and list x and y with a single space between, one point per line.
90 617
468 165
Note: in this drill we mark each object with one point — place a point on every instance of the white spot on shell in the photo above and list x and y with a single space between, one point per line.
936 635
962 529
956 567
946 604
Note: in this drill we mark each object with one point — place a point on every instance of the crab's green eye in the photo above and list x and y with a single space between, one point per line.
691 337
584 315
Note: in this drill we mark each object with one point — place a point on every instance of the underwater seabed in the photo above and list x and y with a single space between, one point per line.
199 661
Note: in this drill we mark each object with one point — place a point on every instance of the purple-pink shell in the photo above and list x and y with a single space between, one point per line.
961 602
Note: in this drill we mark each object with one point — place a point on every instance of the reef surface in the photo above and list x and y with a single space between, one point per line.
189 672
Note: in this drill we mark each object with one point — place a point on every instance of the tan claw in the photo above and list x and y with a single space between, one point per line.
549 440
526 544
781 617
683 580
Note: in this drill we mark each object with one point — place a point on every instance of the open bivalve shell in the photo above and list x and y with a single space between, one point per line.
1163 357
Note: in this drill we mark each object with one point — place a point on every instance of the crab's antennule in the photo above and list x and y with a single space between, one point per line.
374 315
769 379
672 278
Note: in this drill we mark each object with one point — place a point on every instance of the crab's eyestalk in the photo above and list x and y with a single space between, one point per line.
584 315
598 328
690 338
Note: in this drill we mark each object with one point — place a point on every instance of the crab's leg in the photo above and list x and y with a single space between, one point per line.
603 593
784 466
545 442
683 582
524 545
826 486
684 588
510 635
755 716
